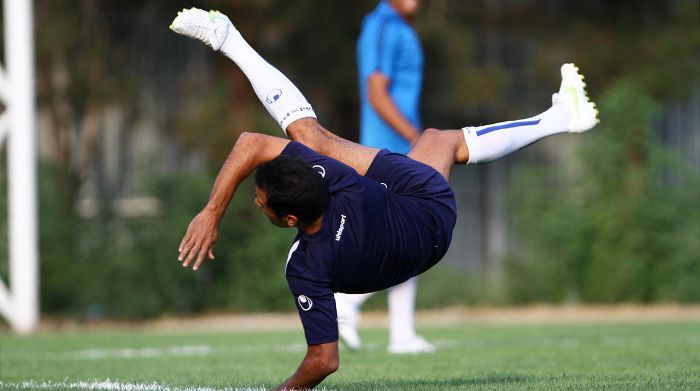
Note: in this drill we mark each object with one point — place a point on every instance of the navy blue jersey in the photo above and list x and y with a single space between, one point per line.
378 231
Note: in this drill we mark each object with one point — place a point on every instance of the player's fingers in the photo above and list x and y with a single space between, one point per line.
200 257
211 253
192 253
188 248
184 241
182 253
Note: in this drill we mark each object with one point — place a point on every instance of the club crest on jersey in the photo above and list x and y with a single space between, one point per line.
305 302
320 170
273 96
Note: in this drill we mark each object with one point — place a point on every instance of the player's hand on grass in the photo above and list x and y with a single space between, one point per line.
199 239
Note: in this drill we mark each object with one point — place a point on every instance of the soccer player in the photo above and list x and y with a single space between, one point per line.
367 219
390 68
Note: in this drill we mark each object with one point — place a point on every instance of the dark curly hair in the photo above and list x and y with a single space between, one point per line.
293 187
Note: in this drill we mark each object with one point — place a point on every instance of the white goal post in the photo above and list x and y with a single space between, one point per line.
19 302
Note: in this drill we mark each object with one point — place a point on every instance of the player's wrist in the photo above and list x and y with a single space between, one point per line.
215 211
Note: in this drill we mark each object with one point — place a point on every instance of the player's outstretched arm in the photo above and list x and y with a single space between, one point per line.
250 150
319 362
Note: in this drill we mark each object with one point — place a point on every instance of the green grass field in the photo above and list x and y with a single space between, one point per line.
656 355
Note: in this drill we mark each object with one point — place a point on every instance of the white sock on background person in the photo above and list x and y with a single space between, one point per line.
492 142
356 299
348 306
401 299
276 92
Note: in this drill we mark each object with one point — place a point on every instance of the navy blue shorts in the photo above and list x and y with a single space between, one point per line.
424 186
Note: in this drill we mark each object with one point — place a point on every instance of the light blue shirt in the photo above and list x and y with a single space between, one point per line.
389 45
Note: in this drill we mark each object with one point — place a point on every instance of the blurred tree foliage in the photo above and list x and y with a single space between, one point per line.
617 230
129 268
81 71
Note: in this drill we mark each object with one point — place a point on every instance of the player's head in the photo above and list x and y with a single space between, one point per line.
290 192
406 8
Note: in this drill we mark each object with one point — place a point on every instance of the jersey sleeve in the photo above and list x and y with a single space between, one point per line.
337 175
383 54
316 307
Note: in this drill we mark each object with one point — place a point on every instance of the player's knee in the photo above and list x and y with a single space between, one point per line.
430 132
249 137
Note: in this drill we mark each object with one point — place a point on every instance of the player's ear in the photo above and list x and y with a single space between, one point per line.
291 220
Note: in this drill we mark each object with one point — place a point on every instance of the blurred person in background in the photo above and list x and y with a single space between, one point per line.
367 219
390 71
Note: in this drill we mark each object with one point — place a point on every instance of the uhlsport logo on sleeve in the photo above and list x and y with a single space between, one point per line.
305 302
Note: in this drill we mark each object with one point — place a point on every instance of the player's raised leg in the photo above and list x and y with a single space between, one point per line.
282 99
276 92
571 111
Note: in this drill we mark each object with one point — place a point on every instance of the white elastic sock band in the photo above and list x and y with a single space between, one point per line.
472 145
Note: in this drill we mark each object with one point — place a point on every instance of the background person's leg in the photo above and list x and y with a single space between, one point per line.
348 307
402 333
401 300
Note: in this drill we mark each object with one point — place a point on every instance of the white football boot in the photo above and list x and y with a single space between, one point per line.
572 94
209 27
414 346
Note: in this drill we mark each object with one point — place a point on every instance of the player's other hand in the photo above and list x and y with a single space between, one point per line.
199 239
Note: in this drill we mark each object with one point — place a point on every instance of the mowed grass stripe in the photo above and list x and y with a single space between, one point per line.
553 356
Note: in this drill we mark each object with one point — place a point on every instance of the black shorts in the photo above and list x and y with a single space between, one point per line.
424 186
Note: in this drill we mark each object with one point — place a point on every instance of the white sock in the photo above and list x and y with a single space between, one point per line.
276 92
492 142
401 300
